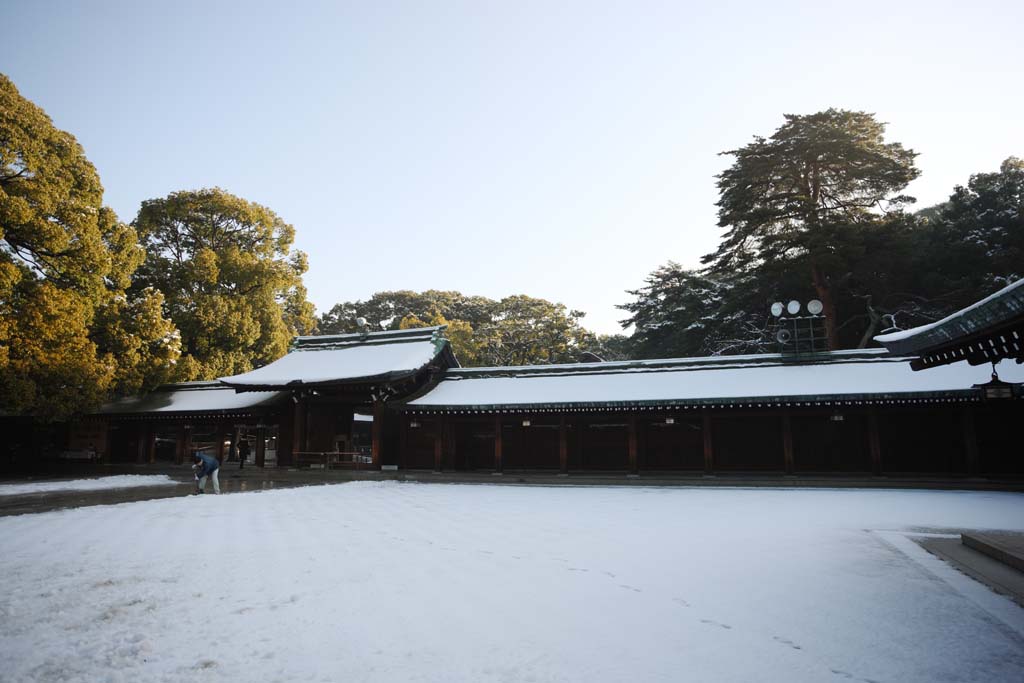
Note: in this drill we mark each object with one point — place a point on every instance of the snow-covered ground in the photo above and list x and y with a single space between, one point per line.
378 581
120 481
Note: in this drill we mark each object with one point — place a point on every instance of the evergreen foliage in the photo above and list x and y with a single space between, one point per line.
232 283
70 334
517 330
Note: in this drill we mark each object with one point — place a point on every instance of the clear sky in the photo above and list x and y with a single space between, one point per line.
557 149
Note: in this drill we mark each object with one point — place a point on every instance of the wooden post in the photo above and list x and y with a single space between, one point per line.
634 467
709 453
403 439
299 428
563 446
261 446
787 442
151 444
220 443
498 464
438 442
874 443
377 442
181 445
971 442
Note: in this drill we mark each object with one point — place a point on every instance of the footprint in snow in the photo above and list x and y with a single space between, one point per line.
680 601
630 588
712 622
784 641
576 569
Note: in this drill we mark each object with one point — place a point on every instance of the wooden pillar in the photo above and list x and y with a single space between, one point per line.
498 464
151 444
874 442
299 428
581 432
220 442
377 443
451 444
181 445
634 466
709 453
403 439
787 442
563 446
261 446
438 442
971 442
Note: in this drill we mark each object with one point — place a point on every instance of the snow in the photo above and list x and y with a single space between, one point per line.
880 376
385 581
121 481
192 397
338 364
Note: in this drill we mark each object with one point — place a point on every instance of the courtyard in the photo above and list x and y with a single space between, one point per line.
388 581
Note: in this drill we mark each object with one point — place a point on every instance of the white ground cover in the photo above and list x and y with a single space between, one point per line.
417 582
120 481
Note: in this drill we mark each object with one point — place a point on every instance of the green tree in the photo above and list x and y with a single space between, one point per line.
231 281
792 198
68 335
386 310
529 331
518 330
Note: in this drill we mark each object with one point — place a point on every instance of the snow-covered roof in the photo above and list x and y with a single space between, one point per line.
857 376
995 310
350 358
193 397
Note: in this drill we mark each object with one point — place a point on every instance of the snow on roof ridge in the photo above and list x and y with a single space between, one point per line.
381 334
844 355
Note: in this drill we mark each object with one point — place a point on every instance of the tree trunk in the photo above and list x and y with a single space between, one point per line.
828 306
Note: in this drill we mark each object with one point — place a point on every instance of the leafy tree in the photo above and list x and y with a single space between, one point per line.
459 333
529 331
68 335
792 198
386 310
232 283
517 330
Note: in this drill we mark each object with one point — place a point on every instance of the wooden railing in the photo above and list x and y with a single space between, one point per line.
333 459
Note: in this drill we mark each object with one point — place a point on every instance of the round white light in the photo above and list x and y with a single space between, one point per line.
777 309
793 307
814 307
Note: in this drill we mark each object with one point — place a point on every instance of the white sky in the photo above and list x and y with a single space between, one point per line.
562 150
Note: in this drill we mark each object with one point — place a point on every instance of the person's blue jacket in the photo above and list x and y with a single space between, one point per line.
209 464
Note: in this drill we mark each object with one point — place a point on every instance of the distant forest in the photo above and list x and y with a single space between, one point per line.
203 284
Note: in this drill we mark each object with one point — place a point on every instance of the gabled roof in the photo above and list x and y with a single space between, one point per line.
870 376
194 397
986 331
351 359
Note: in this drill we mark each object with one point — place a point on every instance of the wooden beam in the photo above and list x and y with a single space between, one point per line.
563 446
787 443
634 466
971 442
709 452
874 443
498 464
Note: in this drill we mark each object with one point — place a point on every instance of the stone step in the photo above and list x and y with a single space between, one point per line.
1006 547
